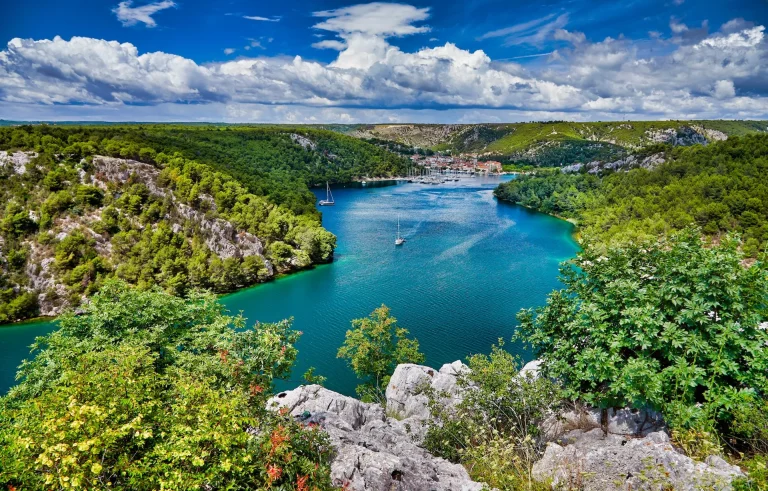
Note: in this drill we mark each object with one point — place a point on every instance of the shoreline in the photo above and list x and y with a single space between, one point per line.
576 229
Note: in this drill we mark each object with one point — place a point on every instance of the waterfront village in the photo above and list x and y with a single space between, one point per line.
461 164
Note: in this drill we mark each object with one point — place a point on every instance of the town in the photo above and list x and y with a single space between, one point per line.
463 164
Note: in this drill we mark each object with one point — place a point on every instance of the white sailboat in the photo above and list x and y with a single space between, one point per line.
328 201
399 240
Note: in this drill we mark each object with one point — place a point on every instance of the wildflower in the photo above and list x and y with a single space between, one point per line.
256 389
277 438
274 472
301 483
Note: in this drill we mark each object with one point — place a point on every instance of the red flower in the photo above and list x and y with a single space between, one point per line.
256 389
277 438
301 483
274 472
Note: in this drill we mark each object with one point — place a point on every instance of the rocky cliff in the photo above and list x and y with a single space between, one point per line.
380 450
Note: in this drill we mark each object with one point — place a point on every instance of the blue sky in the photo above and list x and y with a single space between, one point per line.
334 61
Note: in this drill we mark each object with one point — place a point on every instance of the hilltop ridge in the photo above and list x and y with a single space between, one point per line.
555 143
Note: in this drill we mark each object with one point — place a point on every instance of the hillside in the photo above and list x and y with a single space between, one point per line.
557 143
280 163
720 188
177 206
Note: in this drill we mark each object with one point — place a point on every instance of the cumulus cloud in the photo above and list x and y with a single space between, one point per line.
724 89
229 51
329 44
724 74
374 19
130 16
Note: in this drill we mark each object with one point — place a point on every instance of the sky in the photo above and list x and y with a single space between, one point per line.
331 61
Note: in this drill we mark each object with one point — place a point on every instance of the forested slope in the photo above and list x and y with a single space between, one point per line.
720 187
280 163
179 206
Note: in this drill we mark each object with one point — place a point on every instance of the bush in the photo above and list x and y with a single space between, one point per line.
668 324
373 348
148 391
495 430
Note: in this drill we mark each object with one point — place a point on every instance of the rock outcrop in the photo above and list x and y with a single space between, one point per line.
594 461
407 392
374 452
379 449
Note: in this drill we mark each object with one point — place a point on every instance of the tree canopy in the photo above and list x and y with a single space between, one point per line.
145 391
665 324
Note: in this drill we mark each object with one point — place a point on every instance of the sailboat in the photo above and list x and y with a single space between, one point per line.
399 240
328 201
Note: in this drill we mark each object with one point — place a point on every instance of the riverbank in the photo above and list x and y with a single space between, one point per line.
576 231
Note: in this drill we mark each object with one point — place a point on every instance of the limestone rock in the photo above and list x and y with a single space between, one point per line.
590 460
406 397
532 368
374 453
623 422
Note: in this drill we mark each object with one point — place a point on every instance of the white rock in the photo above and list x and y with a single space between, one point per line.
406 397
615 462
374 453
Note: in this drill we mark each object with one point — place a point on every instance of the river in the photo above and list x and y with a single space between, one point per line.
468 266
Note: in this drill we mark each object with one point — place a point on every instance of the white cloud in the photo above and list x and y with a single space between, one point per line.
534 32
722 75
374 19
574 37
229 51
329 44
130 16
262 19
724 89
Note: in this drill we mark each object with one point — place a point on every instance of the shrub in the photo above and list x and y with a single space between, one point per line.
667 324
495 430
148 391
373 348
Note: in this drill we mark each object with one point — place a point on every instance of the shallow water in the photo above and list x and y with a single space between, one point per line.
468 266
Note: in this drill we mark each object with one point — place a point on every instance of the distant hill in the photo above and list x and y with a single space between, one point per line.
556 143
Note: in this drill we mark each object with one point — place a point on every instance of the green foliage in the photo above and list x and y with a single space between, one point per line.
149 229
718 187
373 348
756 467
667 324
149 391
494 431
311 378
565 195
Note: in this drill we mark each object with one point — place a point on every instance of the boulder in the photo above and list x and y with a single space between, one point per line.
590 460
407 389
624 421
373 452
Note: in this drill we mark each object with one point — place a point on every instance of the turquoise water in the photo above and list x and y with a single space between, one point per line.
468 266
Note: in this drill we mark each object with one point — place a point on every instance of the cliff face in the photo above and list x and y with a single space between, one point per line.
380 450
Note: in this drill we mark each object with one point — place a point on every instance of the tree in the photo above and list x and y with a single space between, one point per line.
373 348
148 391
667 324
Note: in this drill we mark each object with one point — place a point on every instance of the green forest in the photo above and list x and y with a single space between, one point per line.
720 188
160 224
